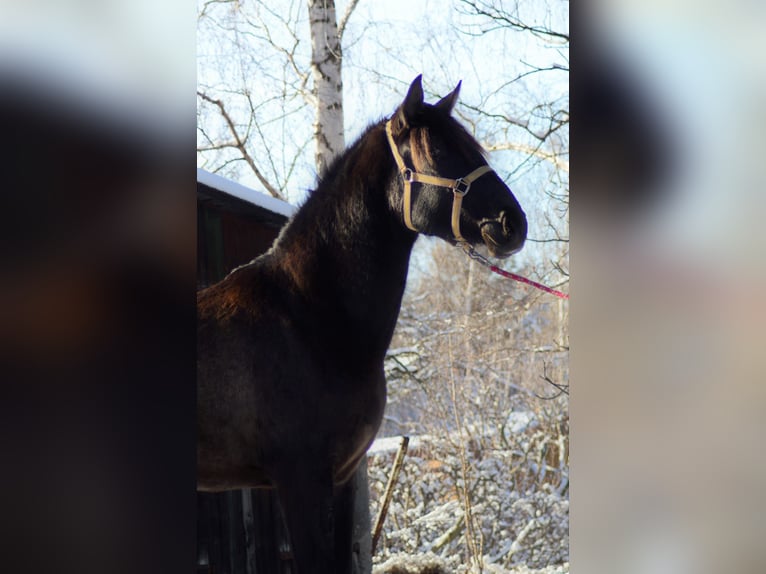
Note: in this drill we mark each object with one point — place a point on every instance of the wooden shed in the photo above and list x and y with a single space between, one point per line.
234 225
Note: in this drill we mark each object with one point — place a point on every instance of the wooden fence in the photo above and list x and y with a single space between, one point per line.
243 532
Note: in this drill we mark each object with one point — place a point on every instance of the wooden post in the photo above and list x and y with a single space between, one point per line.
389 491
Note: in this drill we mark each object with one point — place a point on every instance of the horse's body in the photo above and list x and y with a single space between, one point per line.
291 389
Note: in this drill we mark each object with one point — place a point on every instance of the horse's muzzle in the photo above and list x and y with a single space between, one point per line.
502 236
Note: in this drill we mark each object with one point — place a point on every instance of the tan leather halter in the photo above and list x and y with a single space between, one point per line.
459 186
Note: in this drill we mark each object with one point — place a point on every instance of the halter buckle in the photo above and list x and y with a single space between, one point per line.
461 187
408 175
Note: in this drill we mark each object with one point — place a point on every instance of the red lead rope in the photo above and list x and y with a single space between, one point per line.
510 275
484 261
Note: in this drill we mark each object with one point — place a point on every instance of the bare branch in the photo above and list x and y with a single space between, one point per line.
239 143
289 53
215 147
505 19
556 240
563 389
533 151
344 20
210 3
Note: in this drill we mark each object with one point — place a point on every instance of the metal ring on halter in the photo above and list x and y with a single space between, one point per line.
461 187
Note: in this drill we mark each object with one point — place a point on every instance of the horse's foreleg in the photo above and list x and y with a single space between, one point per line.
343 510
307 503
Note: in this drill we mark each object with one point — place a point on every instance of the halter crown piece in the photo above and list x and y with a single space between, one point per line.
459 186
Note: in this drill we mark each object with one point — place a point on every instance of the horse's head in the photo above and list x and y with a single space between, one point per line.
445 187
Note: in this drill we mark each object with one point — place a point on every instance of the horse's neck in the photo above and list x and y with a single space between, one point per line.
348 254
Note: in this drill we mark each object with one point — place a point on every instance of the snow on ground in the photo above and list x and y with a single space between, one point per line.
432 564
518 502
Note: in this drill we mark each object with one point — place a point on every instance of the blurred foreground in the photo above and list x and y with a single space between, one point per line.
668 291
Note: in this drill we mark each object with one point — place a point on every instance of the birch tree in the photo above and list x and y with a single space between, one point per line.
273 69
327 88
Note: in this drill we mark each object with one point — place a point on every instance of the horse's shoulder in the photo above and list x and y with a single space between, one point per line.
252 292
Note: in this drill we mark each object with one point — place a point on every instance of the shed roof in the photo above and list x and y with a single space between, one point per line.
232 196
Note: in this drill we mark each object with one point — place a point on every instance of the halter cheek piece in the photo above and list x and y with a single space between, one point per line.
459 186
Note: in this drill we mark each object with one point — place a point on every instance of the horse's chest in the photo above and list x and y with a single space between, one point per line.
355 426
347 417
353 409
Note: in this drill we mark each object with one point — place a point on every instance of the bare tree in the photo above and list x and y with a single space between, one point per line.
327 89
486 384
539 132
252 90
272 70
473 353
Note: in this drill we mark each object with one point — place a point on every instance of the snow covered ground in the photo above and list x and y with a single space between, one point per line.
432 564
504 498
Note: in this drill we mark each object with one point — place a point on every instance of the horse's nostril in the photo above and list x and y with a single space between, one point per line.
494 230
508 230
516 229
504 221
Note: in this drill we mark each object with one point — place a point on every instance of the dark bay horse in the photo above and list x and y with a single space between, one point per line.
290 377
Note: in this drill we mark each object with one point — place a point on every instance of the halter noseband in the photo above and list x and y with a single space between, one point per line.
459 186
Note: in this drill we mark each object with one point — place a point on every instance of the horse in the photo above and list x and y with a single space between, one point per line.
291 387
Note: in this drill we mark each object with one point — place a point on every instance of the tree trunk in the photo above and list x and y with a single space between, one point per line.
328 87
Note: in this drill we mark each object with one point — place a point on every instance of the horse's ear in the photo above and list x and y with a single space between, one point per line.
448 102
412 104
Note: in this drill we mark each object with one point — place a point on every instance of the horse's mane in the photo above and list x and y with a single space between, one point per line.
431 123
339 166
437 124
